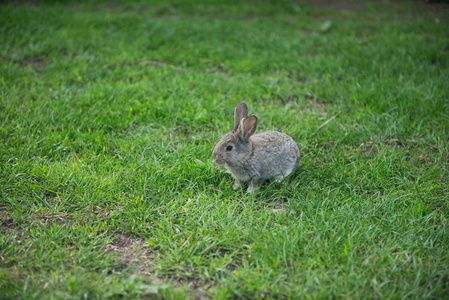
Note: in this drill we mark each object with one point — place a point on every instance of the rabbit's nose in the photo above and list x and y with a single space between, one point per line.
216 156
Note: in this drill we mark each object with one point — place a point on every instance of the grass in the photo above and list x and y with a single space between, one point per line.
109 113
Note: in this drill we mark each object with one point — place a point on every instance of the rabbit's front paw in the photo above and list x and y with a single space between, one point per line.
254 186
236 185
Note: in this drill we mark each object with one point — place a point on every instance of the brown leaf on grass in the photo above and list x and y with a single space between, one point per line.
158 64
368 148
394 142
278 209
369 143
324 124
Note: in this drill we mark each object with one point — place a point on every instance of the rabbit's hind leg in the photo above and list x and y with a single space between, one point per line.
237 185
254 185
279 178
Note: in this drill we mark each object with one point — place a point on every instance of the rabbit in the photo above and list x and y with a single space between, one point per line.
255 158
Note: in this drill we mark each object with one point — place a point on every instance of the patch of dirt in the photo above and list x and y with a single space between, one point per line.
7 224
129 253
321 160
193 281
167 11
401 10
132 253
196 286
141 9
47 220
247 18
422 162
280 209
297 77
100 213
435 7
159 64
316 105
112 5
220 68
50 220
37 62
419 10
18 2
341 6
368 148
394 143
439 205
95 214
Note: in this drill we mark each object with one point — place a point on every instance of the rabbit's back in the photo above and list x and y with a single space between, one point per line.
274 153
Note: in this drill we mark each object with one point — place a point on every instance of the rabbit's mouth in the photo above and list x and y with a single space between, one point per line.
218 159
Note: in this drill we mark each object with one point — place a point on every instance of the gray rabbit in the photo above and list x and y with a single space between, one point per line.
255 158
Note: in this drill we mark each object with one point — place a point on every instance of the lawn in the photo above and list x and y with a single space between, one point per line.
109 112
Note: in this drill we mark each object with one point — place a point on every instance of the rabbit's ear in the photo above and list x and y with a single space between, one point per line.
241 111
249 126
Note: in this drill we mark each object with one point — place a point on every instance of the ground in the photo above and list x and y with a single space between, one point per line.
109 112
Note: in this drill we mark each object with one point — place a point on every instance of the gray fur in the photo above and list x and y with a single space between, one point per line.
255 158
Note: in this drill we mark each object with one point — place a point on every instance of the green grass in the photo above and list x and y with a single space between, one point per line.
109 112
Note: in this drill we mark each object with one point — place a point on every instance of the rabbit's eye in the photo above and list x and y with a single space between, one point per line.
228 148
